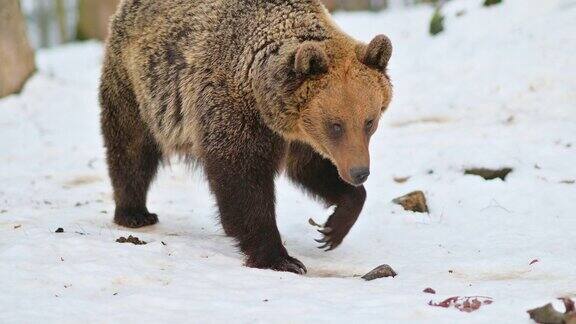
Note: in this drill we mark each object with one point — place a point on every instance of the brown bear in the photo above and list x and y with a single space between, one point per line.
246 89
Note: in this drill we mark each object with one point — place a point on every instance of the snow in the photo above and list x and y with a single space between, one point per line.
497 89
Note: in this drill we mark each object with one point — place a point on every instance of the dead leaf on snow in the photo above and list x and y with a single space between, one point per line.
401 179
548 315
429 290
489 174
464 304
414 201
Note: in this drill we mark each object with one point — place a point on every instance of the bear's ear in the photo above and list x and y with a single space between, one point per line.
310 60
377 53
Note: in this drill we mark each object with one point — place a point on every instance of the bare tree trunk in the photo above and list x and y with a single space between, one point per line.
93 18
62 20
42 12
16 55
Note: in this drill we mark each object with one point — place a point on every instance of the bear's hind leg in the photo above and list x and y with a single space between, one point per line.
320 177
132 154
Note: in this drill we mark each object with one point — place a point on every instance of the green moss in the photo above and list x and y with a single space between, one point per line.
436 23
488 3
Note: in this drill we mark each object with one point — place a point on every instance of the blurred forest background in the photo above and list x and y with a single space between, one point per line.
52 22
26 25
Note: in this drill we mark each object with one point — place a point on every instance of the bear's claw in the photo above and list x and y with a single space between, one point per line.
280 263
290 264
331 239
134 218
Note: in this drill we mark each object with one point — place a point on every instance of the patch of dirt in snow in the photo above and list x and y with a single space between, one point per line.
82 180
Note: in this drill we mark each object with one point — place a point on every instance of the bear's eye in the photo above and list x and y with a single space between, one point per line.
336 130
369 125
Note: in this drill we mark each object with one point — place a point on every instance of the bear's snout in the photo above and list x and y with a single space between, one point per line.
359 175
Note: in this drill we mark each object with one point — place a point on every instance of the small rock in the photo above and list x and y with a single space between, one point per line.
429 290
489 174
382 271
131 239
17 226
414 201
59 230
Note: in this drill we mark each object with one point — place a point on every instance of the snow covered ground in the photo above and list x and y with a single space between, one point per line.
497 89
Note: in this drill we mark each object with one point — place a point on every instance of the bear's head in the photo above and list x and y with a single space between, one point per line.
329 95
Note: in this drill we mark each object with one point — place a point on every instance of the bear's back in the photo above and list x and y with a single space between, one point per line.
186 58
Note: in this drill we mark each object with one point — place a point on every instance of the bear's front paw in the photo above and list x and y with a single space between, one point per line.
134 218
332 238
342 220
280 263
336 228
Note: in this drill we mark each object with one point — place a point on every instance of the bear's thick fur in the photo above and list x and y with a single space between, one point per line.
245 88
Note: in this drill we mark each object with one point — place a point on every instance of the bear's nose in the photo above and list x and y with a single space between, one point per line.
359 174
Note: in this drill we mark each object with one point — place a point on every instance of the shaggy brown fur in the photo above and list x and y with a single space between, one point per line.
244 87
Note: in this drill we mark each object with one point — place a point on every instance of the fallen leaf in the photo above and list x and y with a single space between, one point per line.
445 303
429 290
470 305
464 304
568 303
534 261
489 174
546 315
414 201
401 179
